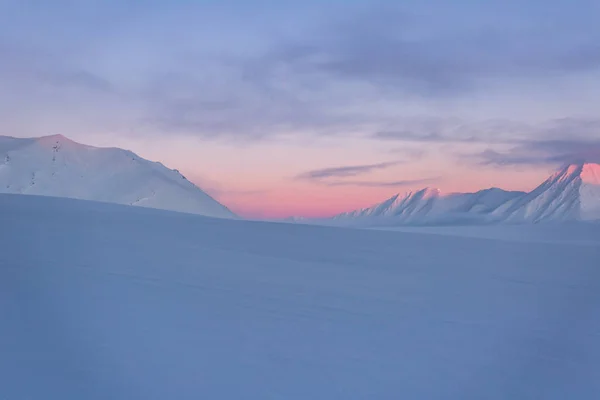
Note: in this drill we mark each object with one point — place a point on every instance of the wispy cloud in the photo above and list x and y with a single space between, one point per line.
455 130
411 136
555 142
334 177
331 69
544 152
545 142
384 46
407 182
345 171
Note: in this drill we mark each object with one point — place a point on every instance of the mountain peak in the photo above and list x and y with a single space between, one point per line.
573 193
573 169
431 192
54 137
587 172
590 173
424 193
57 166
52 140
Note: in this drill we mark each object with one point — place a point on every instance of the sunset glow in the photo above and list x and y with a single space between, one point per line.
310 109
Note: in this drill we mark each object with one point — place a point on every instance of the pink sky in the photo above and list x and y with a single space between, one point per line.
261 180
259 104
315 201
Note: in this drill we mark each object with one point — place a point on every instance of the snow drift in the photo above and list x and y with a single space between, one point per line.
57 166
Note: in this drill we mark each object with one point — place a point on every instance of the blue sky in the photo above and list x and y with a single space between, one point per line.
257 100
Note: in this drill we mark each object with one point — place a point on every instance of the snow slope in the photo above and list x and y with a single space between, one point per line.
102 301
572 232
572 194
57 166
429 206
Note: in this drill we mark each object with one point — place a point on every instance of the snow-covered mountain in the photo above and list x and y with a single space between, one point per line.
430 206
572 194
57 166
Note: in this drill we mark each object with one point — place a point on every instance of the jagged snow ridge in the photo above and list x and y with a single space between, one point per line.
571 194
431 206
57 166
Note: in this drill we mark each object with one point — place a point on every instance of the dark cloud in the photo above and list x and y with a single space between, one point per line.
544 152
345 171
238 107
292 85
504 132
386 46
309 68
453 130
555 142
569 128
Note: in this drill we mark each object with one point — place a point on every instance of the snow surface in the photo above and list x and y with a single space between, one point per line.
102 301
572 194
583 233
57 166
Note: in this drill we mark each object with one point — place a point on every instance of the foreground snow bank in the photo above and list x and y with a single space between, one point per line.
100 301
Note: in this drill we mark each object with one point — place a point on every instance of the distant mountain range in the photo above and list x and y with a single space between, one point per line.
571 194
59 167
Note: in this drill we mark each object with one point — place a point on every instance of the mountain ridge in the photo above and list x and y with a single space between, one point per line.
58 166
55 165
560 197
570 194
